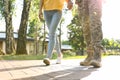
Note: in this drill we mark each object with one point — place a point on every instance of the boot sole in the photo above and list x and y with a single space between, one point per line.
85 64
47 62
95 64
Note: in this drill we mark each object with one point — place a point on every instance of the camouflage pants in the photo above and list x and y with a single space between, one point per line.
90 12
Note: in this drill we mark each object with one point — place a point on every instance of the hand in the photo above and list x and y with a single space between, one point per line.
41 16
69 4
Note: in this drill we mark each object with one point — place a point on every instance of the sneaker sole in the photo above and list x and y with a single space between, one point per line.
46 62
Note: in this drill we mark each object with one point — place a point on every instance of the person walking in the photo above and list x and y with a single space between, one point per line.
90 12
52 12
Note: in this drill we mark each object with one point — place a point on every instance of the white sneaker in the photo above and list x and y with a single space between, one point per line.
59 60
46 61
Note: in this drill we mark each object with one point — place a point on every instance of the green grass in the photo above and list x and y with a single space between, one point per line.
22 57
75 57
35 57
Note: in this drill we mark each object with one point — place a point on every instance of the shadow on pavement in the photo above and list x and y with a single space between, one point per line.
77 73
19 68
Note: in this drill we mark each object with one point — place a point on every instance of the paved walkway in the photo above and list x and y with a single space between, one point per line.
68 70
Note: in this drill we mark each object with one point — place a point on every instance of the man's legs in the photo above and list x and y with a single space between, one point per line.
90 10
95 12
84 18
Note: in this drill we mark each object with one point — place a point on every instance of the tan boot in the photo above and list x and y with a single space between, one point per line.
87 61
96 62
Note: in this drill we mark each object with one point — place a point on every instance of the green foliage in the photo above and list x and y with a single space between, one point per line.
111 43
75 10
69 53
32 28
34 21
76 38
65 42
34 11
1 7
12 2
11 7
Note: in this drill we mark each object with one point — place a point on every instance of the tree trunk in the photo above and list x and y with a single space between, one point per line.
10 46
21 43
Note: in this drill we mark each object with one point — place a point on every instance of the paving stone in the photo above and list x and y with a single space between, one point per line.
68 70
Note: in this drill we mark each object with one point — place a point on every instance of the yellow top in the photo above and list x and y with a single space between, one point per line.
53 4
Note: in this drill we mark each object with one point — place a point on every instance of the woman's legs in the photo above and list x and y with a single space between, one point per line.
52 19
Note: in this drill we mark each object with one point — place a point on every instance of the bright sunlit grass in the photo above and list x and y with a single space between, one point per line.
22 57
74 57
37 57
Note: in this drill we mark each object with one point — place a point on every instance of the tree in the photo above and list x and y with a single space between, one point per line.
21 42
1 8
76 38
111 44
7 13
36 27
33 18
106 43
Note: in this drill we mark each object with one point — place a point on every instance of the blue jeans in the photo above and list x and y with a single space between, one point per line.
52 18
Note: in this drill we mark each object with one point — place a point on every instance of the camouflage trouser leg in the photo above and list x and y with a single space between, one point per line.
90 11
89 48
84 18
95 12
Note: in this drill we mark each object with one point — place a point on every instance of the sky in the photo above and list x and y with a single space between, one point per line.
110 19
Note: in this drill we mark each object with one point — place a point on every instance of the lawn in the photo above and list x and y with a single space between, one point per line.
35 57
38 57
